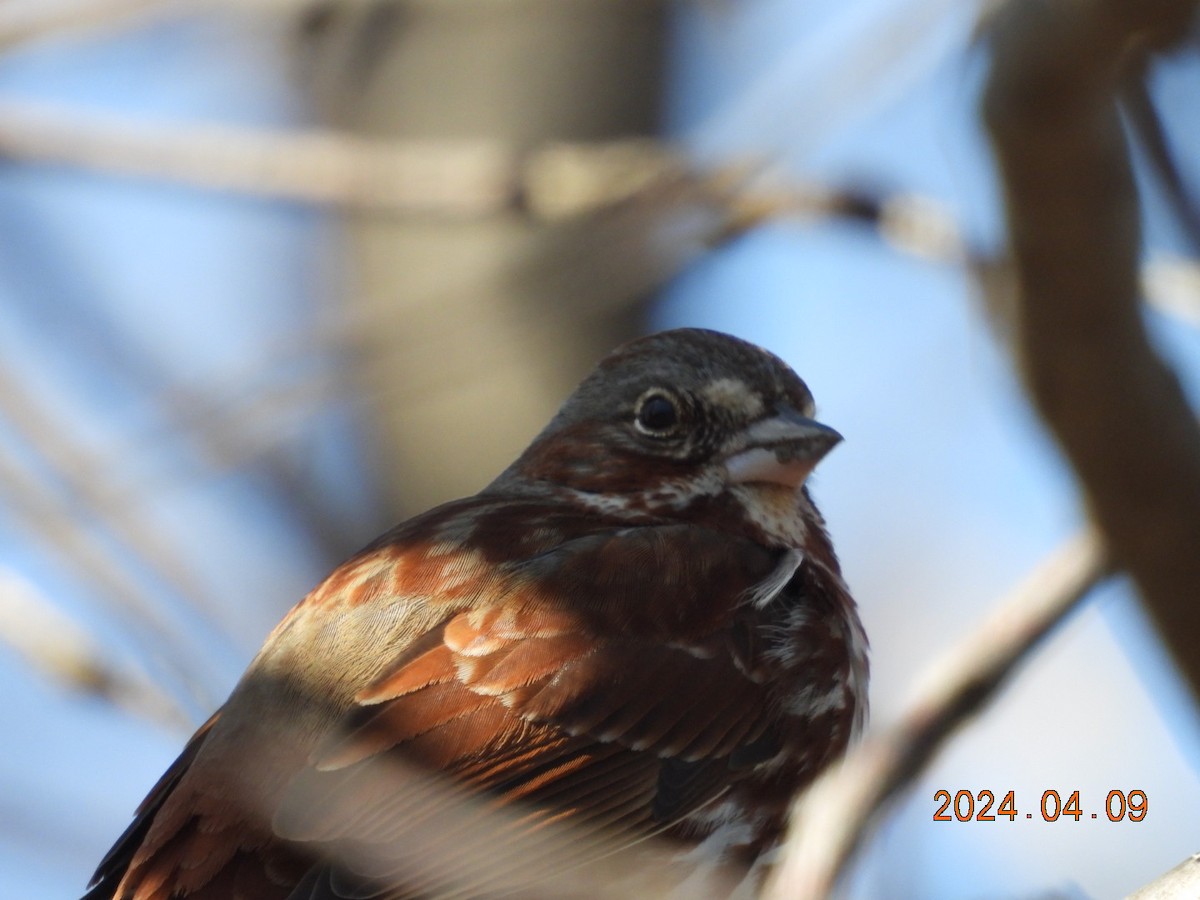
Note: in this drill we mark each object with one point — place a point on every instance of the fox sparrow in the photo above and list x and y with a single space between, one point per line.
639 627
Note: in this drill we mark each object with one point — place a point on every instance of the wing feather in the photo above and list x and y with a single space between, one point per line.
579 685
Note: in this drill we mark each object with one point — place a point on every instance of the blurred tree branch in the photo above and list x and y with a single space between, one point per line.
84 481
1115 407
22 22
1151 131
80 549
467 179
26 21
447 177
443 178
1181 881
832 818
448 841
56 646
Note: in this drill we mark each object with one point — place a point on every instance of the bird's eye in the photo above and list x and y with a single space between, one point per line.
657 415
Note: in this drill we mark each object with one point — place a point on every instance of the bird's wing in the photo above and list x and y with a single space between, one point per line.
610 685
112 868
609 680
173 850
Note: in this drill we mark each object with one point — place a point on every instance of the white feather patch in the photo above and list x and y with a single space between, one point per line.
761 594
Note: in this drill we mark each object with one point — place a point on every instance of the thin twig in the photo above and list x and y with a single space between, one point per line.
55 645
158 638
84 478
1148 125
832 818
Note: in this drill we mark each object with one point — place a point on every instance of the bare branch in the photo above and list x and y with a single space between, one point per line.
446 177
831 819
467 179
448 841
55 645
1117 410
1172 286
1181 881
452 179
85 480
31 20
1147 123
79 549
26 21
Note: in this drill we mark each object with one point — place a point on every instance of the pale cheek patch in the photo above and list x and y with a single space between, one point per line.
734 395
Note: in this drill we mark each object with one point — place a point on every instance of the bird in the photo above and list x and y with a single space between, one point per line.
640 627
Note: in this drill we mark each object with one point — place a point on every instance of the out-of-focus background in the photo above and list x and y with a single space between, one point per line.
277 274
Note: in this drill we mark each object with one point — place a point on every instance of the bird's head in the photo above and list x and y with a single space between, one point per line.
687 424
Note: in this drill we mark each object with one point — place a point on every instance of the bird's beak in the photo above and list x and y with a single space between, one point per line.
782 449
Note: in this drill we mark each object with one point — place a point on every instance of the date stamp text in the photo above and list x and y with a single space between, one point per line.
981 806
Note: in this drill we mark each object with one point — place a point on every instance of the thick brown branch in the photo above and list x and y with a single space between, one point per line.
1114 406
